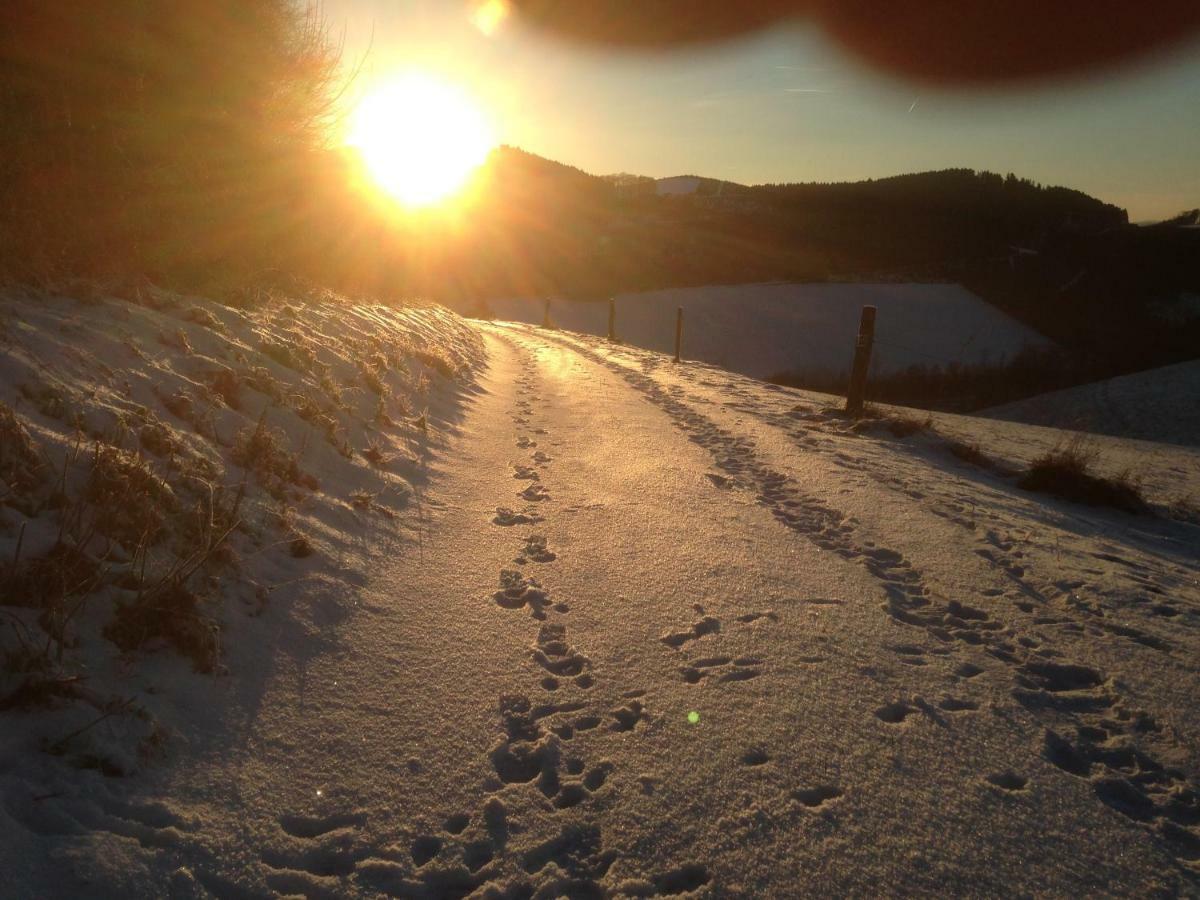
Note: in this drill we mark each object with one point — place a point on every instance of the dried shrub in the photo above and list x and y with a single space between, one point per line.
179 404
374 453
176 340
263 451
46 581
131 502
202 316
225 384
969 453
50 401
331 389
39 688
906 426
437 362
1066 472
1184 509
897 424
170 612
374 381
158 438
295 355
259 378
20 464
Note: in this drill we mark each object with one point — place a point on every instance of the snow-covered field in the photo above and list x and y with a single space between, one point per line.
1158 405
767 329
659 630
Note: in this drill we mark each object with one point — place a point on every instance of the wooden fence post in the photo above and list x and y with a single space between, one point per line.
546 315
862 362
612 319
678 331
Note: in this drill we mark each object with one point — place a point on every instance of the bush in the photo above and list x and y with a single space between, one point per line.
1066 472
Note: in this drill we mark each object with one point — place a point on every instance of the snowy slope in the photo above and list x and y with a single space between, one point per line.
766 329
663 630
1157 405
170 467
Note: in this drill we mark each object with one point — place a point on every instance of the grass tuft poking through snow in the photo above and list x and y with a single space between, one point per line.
157 460
1067 472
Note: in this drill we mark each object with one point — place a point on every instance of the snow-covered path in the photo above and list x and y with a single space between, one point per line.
668 630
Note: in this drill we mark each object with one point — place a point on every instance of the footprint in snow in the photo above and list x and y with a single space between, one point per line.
507 517
536 549
535 493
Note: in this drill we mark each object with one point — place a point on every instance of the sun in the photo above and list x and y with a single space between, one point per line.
420 137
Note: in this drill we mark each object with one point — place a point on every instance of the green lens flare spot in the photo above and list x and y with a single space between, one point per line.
694 717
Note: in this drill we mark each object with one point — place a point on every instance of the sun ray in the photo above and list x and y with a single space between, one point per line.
420 138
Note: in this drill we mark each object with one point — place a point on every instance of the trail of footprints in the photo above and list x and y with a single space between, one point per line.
1102 744
537 746
1101 741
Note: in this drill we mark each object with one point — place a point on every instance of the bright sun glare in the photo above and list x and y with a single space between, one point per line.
420 137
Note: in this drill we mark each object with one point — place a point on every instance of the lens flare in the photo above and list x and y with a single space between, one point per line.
420 138
489 15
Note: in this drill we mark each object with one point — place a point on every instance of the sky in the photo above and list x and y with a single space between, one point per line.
791 105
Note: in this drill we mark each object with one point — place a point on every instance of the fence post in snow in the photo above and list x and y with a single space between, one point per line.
612 319
546 315
678 331
862 362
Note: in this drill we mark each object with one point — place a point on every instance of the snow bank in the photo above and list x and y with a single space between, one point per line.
170 467
766 329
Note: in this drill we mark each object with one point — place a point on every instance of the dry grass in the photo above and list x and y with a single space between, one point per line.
1067 472
896 423
902 426
263 451
157 438
970 453
47 581
21 466
225 384
169 611
437 362
130 500
201 316
1184 509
